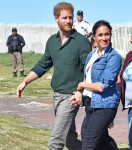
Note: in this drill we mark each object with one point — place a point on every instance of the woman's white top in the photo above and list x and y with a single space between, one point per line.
88 79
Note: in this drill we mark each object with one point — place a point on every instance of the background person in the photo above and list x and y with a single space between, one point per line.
81 26
100 95
126 91
66 51
93 43
15 43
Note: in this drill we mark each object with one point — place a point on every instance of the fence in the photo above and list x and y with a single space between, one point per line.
121 37
36 36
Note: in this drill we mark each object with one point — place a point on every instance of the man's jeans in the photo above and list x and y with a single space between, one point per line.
130 127
64 129
96 132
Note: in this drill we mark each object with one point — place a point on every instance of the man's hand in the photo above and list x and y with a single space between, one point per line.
20 88
76 98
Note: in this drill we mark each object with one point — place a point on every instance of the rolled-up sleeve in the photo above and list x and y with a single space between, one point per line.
110 73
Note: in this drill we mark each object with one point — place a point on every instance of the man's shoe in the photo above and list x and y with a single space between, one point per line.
22 74
14 74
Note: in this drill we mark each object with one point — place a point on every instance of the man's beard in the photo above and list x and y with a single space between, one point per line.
65 28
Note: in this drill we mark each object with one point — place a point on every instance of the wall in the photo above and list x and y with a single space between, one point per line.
36 35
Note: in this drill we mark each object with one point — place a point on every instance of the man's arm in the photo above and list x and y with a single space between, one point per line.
89 30
22 41
37 71
89 34
86 48
31 77
8 41
9 45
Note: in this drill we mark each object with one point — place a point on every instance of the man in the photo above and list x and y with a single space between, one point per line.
66 51
81 26
15 43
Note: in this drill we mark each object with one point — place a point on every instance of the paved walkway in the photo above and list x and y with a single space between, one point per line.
39 113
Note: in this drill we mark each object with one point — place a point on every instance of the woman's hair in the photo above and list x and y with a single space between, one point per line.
99 24
92 40
62 6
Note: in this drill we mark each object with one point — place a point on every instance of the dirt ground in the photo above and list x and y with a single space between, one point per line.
39 113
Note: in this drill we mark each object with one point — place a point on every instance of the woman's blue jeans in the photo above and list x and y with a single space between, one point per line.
96 127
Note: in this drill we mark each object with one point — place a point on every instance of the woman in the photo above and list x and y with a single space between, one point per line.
126 92
99 88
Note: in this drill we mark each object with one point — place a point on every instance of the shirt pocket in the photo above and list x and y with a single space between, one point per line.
99 66
97 70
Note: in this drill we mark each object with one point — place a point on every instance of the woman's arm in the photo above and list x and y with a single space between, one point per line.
90 86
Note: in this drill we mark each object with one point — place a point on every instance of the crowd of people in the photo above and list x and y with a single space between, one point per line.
86 70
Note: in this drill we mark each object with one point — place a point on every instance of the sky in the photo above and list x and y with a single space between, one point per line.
41 11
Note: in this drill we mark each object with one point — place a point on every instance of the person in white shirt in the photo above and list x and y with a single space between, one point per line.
81 26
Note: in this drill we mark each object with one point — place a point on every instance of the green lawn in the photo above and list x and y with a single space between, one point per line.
15 136
8 84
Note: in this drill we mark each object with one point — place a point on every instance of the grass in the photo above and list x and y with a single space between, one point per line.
8 84
16 136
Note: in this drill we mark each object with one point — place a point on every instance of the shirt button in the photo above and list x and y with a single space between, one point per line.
93 94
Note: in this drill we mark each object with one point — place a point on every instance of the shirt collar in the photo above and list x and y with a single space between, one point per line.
73 34
96 50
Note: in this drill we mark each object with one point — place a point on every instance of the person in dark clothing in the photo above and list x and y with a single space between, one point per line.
15 43
66 51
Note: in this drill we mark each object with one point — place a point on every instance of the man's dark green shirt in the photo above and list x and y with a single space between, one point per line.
68 61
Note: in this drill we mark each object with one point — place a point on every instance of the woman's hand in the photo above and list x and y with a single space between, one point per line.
81 85
111 125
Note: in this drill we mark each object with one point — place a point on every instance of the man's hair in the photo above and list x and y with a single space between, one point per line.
62 6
